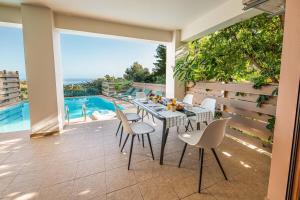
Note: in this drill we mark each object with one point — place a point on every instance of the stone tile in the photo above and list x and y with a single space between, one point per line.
204 195
21 190
119 178
4 182
89 186
128 193
145 170
157 189
62 191
88 167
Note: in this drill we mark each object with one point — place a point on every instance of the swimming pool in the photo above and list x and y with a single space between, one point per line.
17 118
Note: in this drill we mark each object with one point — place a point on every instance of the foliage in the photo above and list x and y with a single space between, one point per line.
247 51
159 70
136 73
261 100
84 89
271 124
275 92
23 90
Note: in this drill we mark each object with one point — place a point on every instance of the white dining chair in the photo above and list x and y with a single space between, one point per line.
133 129
142 95
208 104
131 117
188 99
210 138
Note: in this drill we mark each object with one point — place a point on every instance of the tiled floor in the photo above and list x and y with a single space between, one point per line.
85 163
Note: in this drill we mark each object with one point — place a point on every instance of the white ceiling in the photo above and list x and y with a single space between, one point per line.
163 14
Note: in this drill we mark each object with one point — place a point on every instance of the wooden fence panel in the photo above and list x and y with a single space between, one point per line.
239 101
237 87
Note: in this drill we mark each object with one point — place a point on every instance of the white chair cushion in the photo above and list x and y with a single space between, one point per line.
132 117
141 128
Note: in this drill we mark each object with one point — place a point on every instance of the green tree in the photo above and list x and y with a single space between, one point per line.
159 70
136 73
109 78
249 50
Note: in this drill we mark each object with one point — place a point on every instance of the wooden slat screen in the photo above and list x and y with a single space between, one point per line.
239 102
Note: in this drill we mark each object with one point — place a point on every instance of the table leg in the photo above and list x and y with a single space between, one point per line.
163 142
138 110
198 125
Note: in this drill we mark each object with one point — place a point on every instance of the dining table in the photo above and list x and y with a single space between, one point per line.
171 118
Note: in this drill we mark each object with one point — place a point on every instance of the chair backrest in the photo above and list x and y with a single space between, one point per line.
126 126
129 90
210 104
213 134
188 99
140 95
116 110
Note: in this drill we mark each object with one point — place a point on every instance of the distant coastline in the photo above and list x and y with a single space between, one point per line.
69 81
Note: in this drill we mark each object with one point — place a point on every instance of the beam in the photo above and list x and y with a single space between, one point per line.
84 24
221 17
10 15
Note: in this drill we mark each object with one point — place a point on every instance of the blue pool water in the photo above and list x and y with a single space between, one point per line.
17 118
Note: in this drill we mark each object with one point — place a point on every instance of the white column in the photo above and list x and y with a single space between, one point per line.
286 103
41 45
174 88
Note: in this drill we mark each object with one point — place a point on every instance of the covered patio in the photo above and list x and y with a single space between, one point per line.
83 161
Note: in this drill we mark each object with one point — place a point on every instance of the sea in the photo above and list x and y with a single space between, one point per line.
70 81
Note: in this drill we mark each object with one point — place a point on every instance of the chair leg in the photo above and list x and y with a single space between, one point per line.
130 153
153 119
184 148
187 126
143 141
142 115
125 142
219 163
118 128
201 168
150 145
121 136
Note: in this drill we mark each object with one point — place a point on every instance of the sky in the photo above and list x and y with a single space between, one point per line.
86 57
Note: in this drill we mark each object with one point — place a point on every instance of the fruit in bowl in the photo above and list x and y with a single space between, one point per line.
179 107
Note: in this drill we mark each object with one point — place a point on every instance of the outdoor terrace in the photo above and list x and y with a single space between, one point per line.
85 162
